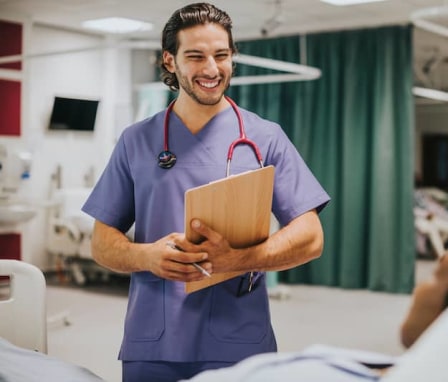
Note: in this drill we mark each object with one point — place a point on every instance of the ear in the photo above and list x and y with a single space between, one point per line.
168 61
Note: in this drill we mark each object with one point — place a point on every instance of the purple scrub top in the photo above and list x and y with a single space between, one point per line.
163 322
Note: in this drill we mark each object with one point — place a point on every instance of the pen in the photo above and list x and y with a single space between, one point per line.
197 266
202 270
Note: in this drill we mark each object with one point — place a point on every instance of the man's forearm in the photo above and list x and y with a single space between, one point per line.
113 250
295 244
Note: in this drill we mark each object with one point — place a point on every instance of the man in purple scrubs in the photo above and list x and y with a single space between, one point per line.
169 335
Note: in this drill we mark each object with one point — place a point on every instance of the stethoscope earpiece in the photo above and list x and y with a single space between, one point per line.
167 159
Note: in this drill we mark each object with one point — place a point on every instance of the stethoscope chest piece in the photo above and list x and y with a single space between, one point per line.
167 159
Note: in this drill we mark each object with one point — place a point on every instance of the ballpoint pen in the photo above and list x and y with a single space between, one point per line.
197 266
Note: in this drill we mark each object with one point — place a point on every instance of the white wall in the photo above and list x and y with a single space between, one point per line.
103 73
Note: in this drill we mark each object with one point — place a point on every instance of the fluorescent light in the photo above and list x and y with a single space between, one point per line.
349 2
418 18
117 25
434 94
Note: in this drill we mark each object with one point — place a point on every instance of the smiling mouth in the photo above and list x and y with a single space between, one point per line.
209 84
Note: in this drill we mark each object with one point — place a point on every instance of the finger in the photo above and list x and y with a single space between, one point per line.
176 276
204 230
205 267
179 255
185 262
184 272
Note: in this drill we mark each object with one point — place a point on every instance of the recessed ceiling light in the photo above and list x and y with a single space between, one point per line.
349 2
117 25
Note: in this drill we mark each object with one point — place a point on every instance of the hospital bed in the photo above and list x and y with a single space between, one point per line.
23 329
69 228
69 235
431 221
426 360
23 318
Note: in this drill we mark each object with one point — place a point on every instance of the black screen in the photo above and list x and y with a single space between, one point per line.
73 114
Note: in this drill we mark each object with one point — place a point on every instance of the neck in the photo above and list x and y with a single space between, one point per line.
194 115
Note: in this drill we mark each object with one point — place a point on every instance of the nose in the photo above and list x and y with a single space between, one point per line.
210 67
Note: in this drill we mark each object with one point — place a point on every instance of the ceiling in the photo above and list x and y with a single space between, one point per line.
251 16
297 16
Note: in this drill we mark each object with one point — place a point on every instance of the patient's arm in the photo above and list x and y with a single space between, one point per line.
428 301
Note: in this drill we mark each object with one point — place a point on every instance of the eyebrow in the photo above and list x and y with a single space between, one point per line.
226 50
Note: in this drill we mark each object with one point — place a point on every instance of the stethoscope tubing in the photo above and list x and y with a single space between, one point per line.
165 125
242 140
167 159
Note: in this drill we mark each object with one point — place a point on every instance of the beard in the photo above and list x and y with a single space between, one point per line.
202 98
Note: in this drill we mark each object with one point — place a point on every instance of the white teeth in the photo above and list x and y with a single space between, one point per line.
208 84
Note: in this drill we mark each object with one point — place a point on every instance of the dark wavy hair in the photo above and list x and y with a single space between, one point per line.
187 17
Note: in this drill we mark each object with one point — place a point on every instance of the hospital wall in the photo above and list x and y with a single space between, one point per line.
102 73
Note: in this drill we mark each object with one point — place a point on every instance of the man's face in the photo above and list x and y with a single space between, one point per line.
203 64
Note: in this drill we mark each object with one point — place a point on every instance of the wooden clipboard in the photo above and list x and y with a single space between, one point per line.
238 207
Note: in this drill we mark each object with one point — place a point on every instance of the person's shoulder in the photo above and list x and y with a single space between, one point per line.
148 124
251 118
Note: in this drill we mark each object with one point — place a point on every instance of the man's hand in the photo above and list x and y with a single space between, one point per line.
218 249
113 250
169 260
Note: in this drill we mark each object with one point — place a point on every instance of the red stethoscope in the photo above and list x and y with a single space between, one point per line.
167 159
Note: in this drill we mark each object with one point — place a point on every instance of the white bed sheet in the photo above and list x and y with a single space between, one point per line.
318 363
22 365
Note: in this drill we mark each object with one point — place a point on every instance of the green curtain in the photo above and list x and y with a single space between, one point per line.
354 127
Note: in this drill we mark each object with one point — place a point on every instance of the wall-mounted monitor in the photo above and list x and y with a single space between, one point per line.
73 114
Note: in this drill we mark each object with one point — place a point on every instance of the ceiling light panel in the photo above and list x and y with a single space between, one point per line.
117 25
349 2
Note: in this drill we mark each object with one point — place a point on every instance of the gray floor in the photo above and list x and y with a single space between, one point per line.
352 319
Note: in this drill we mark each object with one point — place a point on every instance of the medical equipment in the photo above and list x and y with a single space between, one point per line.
15 172
167 159
69 233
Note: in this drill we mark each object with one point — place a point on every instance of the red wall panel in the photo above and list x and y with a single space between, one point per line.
10 92
10 43
10 247
11 35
